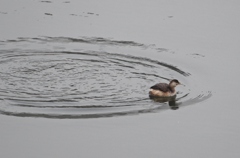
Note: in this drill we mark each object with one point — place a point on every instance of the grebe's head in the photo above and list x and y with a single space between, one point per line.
174 83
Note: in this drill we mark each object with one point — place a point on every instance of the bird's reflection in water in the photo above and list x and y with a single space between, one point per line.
171 101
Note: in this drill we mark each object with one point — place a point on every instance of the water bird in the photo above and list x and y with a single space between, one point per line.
164 89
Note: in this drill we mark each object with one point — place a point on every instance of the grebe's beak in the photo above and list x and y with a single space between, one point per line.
181 84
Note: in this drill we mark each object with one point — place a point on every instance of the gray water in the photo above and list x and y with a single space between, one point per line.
75 78
64 82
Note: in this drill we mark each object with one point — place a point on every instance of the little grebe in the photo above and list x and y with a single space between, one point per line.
164 89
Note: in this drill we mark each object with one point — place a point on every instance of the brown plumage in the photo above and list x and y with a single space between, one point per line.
164 89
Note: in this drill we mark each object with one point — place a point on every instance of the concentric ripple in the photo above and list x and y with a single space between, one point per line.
77 78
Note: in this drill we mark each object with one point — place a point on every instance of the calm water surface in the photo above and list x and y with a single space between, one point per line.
75 75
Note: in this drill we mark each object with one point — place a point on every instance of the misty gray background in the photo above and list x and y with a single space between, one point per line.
206 129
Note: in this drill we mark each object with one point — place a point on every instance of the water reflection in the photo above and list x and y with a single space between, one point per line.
170 100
